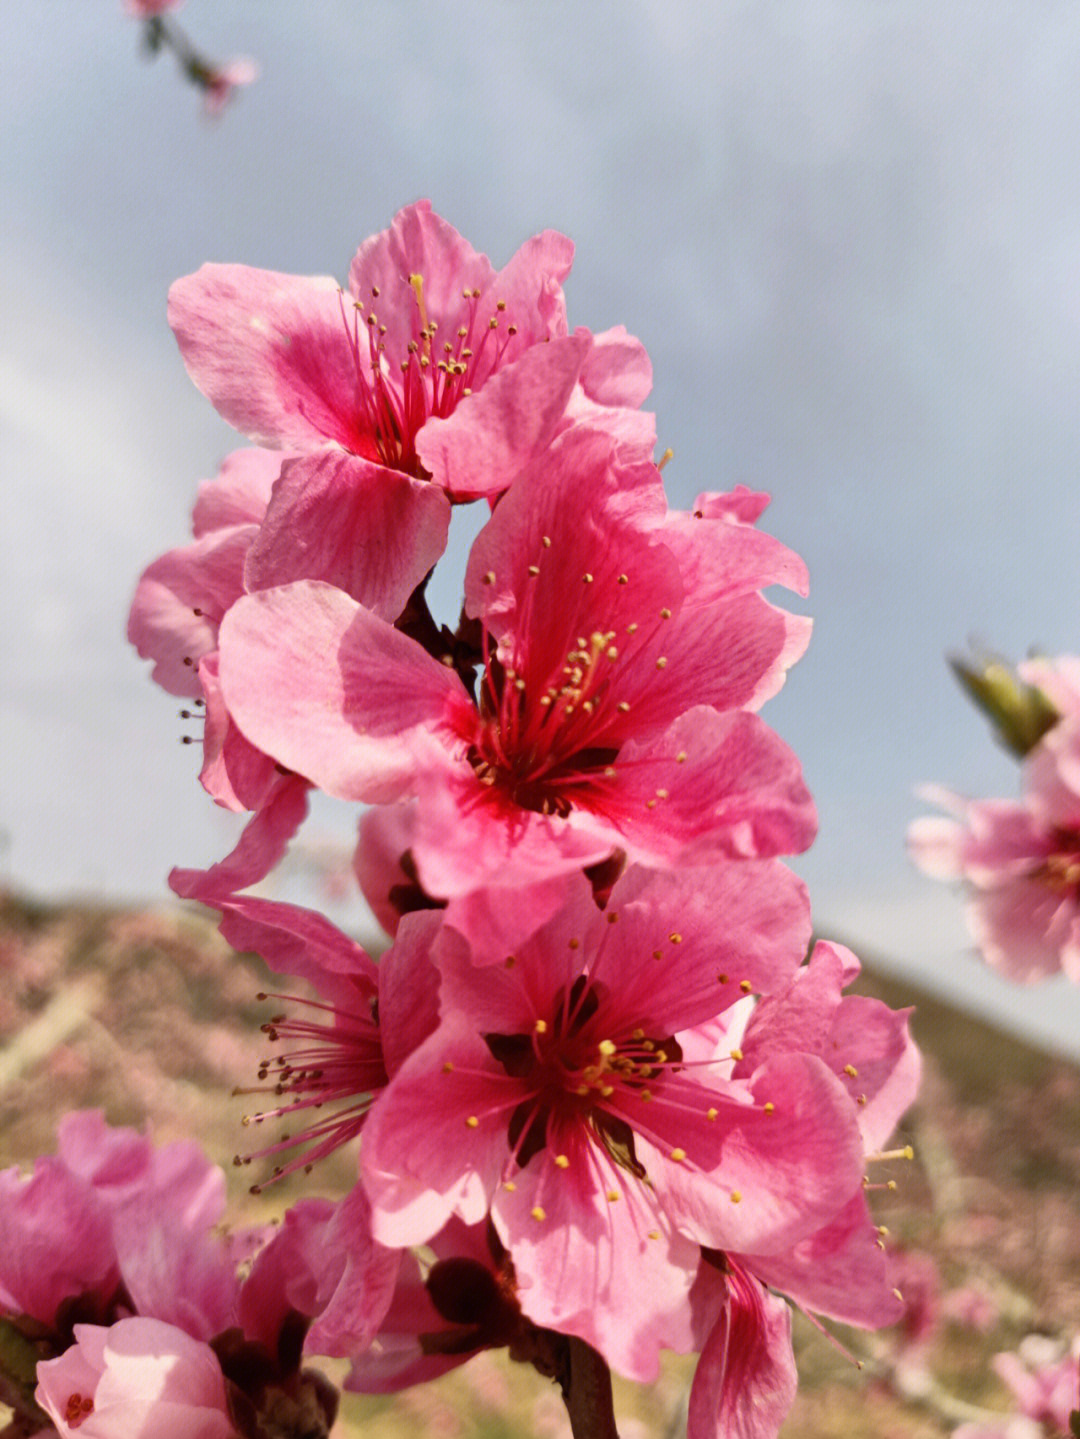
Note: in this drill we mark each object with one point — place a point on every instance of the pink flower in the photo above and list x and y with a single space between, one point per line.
388 380
109 1211
335 1053
1020 861
1046 1389
145 8
137 1378
220 81
556 1095
617 640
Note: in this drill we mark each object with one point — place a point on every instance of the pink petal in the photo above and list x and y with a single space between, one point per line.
487 441
259 849
297 666
746 1381
239 493
179 603
612 1271
388 530
271 352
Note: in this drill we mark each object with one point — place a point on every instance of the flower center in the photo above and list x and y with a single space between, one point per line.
338 1063
573 1074
1060 871
394 394
78 1408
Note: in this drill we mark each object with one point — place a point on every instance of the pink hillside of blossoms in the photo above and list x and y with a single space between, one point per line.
1020 859
602 1103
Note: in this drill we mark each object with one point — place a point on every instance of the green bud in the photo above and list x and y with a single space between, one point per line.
1020 713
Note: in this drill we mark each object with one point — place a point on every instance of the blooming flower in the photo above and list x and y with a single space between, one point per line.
617 638
555 1094
336 1053
1020 861
358 383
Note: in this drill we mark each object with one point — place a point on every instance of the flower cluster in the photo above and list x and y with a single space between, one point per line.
1019 859
595 1078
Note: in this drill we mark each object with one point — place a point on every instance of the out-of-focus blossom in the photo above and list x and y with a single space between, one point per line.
143 9
1019 860
1045 1384
220 81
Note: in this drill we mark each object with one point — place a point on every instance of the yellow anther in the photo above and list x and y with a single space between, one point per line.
540 1026
545 540
661 663
613 1195
489 578
746 986
883 1230
650 804
675 937
500 305
587 578
678 1155
653 1234
665 613
721 979
662 793
562 1162
582 1090
860 1099
769 1107
638 1034
899 1295
447 1067
606 1091
711 1113
669 454
646 1095
891 1184
472 1121
632 629
624 579
612 653
736 1055
680 758
623 707
538 1214
609 772
736 1197
510 1186
534 570
851 1071
607 1048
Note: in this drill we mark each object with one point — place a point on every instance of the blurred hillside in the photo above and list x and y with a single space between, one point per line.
149 1015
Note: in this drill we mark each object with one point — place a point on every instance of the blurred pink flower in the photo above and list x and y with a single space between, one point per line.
145 8
219 83
1019 860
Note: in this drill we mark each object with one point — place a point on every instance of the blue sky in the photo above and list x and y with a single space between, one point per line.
847 233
